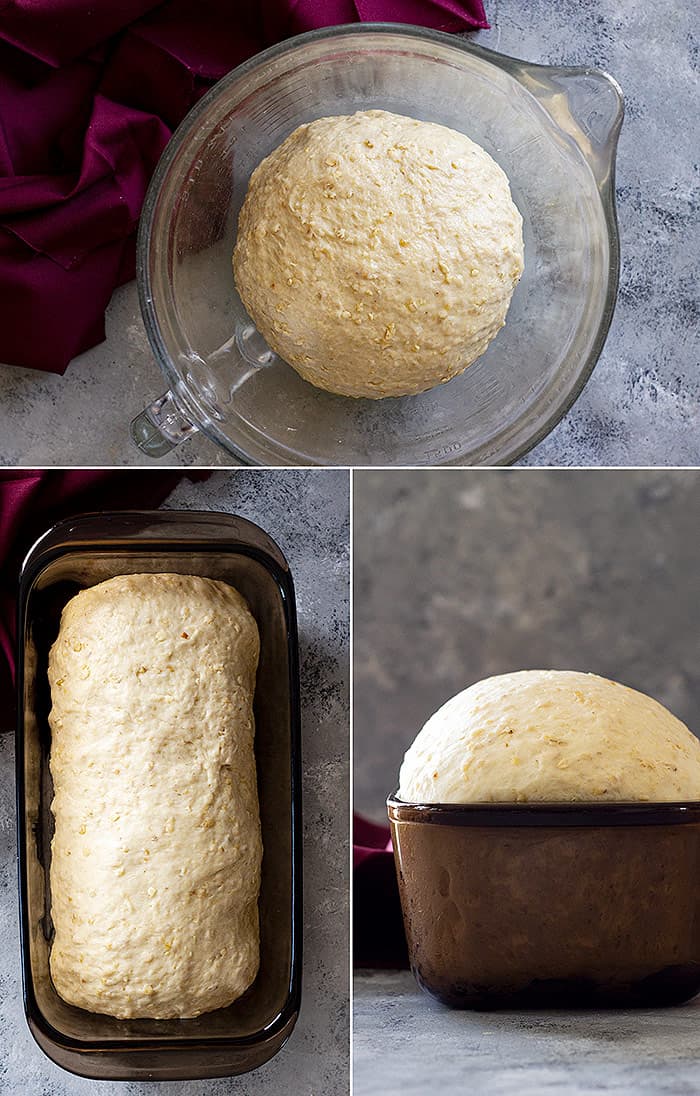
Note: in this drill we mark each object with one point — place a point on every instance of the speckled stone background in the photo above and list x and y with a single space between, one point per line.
642 405
307 514
408 1045
464 573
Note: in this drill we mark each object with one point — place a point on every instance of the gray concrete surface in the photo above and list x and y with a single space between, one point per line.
307 513
642 405
465 573
407 1045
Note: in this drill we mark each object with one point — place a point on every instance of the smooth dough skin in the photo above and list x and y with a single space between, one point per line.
551 736
378 254
155 866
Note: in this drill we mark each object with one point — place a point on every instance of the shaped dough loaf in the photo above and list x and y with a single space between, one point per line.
155 867
378 254
551 735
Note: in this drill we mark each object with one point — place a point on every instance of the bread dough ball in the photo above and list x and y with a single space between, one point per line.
378 254
155 860
551 736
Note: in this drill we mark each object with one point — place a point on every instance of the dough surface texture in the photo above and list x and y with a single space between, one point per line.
155 867
378 254
551 736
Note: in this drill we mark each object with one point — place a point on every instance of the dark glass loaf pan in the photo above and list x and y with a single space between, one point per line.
79 553
545 905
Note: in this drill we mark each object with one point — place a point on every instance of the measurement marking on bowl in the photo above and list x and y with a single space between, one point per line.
534 140
445 450
593 121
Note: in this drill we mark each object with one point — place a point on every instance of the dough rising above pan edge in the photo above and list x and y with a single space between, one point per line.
555 736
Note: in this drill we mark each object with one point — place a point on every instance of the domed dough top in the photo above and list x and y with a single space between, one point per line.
551 735
378 254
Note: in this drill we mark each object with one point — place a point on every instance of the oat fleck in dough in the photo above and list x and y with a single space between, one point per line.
551 735
378 254
155 867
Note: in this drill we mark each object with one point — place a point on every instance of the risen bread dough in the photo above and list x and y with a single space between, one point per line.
551 735
155 866
378 254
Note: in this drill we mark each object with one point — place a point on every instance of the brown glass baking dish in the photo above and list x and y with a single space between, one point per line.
556 905
81 552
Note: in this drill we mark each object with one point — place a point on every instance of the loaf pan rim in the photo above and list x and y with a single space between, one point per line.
552 814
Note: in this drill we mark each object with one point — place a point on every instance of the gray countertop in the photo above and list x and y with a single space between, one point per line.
642 404
405 1044
307 513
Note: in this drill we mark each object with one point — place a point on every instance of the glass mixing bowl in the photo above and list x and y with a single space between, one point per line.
553 130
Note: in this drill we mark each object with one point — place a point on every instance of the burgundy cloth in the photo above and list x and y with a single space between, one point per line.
378 933
30 502
89 95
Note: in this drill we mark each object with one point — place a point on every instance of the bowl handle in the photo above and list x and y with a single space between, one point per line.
586 103
160 427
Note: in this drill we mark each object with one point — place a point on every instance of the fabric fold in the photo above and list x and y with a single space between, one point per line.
89 96
378 934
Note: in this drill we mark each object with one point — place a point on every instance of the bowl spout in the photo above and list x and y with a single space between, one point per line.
587 104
